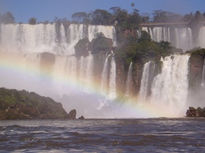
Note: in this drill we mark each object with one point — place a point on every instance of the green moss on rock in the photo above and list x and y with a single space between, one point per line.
29 105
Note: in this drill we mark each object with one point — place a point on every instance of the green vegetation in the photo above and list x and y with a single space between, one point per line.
28 105
32 21
197 51
7 18
143 49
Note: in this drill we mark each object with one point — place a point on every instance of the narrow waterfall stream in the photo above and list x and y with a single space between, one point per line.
203 76
112 80
129 81
143 93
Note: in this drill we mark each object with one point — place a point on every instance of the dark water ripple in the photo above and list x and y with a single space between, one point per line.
139 135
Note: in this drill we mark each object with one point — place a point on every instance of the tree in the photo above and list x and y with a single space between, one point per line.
159 16
7 18
188 17
115 10
80 17
32 21
144 36
133 4
198 16
101 17
164 16
134 19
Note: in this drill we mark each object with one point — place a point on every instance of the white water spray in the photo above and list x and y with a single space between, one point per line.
143 93
129 81
104 76
112 81
170 87
203 75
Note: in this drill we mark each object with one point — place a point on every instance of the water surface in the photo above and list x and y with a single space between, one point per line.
126 135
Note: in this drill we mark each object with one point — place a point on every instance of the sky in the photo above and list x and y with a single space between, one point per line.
49 9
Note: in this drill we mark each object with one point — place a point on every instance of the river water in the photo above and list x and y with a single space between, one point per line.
126 135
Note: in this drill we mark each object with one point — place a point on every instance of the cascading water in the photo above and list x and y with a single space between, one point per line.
104 76
203 76
201 38
28 42
180 37
89 70
71 67
143 93
109 32
112 80
129 81
47 53
170 87
183 38
53 38
82 69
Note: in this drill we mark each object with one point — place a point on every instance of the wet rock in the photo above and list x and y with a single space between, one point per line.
81 118
193 112
82 47
195 69
72 114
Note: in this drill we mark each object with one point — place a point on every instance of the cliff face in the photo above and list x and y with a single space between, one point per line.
121 76
196 67
28 105
137 75
196 90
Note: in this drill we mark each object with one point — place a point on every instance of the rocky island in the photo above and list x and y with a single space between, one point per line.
16 104
193 112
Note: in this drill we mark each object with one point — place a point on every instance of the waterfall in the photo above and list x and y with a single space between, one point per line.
180 37
74 34
89 70
170 87
112 81
143 93
58 43
53 38
104 76
71 67
129 81
158 33
183 38
82 69
201 38
203 75
108 32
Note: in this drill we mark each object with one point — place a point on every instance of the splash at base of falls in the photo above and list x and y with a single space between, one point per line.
66 79
169 88
52 78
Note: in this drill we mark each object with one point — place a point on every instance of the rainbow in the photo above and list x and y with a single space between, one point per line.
19 65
